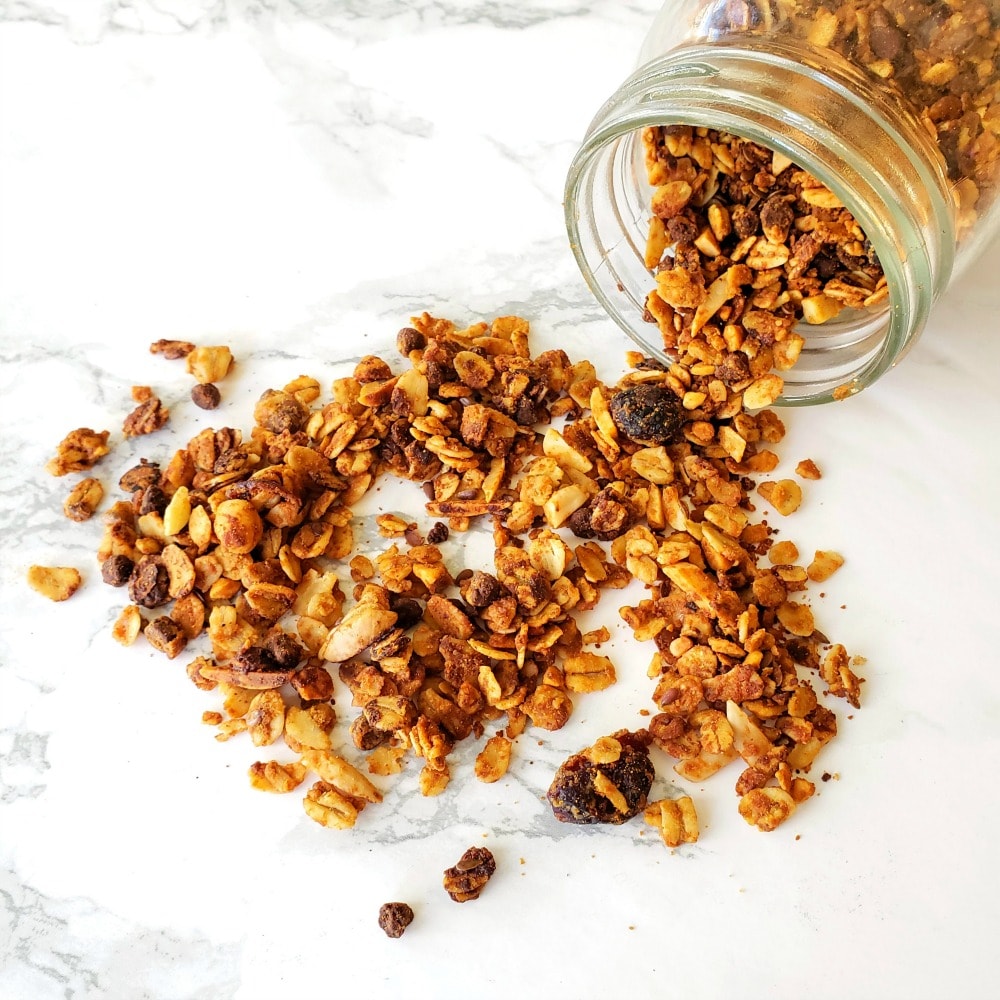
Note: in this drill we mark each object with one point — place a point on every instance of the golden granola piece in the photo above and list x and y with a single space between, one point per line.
127 626
766 808
824 564
675 819
273 776
210 364
83 499
57 583
493 760
785 495
78 451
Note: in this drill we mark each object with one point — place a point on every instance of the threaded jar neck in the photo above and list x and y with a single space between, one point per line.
825 116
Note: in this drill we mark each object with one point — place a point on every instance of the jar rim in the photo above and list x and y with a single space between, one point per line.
821 113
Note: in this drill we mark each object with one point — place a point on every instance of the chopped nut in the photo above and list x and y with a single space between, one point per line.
493 760
127 626
57 583
171 349
210 364
785 495
83 499
825 563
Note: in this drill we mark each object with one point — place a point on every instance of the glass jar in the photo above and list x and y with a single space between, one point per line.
893 105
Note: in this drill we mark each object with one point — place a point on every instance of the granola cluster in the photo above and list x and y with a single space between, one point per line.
938 59
744 245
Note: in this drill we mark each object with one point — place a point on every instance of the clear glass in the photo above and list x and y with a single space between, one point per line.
825 87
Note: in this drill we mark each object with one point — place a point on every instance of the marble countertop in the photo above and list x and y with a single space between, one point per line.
296 178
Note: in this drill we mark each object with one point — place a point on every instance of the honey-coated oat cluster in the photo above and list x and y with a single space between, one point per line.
244 546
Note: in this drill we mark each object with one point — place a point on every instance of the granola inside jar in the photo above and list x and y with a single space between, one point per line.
792 176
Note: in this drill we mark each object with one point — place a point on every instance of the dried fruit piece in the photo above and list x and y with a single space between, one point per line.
598 786
648 414
394 918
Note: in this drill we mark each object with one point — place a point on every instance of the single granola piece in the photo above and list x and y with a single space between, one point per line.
209 364
127 626
606 783
171 349
493 760
273 776
675 819
785 495
648 414
825 563
766 808
57 583
394 918
808 469
83 499
150 415
468 878
78 451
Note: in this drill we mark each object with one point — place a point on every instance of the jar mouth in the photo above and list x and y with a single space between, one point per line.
829 120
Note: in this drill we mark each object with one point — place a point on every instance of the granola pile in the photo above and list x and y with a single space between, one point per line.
241 549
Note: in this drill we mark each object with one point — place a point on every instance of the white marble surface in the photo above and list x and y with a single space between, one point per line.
295 178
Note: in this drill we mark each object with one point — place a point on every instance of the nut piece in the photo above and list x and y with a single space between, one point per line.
785 495
766 808
210 364
83 499
493 760
469 877
394 918
603 790
57 583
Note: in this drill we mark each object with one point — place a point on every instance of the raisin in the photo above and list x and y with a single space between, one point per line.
409 339
394 918
116 570
284 649
574 797
438 533
648 414
149 584
206 395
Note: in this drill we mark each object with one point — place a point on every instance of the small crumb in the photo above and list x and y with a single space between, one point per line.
807 469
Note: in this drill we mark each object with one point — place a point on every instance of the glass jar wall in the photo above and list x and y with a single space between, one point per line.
891 105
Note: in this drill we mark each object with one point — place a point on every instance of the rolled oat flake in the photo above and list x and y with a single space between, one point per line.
790 185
